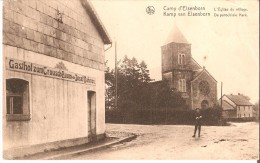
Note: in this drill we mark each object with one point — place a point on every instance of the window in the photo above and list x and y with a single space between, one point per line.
182 85
17 99
179 85
181 59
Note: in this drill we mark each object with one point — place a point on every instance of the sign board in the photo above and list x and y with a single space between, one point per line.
32 68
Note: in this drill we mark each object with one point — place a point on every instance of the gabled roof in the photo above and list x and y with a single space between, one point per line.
239 100
199 72
176 36
226 105
96 21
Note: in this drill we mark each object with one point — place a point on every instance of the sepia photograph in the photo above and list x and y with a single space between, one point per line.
130 80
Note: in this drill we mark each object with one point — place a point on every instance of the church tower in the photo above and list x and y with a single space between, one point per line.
176 62
196 85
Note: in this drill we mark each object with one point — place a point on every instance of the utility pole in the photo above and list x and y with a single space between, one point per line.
221 95
115 76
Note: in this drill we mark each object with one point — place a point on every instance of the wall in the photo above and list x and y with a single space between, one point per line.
229 114
170 56
244 111
170 64
33 25
198 97
58 107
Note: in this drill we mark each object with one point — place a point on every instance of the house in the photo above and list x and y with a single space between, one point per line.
54 86
196 85
236 106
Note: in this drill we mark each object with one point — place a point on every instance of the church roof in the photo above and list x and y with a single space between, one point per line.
176 36
194 65
198 73
239 99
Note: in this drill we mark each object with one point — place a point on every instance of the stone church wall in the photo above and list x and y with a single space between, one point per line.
198 96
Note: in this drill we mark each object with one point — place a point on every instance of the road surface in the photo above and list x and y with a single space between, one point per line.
238 141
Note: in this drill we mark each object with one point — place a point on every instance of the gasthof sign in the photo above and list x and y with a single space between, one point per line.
32 68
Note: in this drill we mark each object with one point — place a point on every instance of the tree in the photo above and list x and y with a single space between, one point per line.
133 82
135 90
110 91
164 96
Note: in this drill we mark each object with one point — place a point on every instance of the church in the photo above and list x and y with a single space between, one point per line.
196 85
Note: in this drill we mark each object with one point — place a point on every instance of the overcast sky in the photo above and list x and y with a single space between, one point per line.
230 43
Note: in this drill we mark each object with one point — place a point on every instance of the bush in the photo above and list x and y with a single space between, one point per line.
244 119
211 116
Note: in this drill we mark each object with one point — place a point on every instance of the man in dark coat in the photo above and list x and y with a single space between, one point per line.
198 118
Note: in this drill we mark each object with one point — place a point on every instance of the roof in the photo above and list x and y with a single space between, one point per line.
239 99
194 64
199 72
96 21
176 36
226 105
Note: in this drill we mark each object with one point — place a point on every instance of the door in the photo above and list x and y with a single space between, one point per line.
91 114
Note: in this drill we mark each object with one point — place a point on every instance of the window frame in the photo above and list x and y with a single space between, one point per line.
25 112
181 59
182 85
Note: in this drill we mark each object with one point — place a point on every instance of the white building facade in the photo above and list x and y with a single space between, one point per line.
54 82
237 106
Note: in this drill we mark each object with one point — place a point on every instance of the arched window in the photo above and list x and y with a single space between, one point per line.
179 59
179 85
182 85
17 99
183 59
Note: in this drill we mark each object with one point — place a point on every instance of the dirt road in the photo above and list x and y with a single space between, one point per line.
238 141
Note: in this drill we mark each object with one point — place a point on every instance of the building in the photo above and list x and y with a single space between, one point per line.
54 82
236 106
195 83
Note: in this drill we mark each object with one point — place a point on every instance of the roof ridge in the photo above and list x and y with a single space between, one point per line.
242 101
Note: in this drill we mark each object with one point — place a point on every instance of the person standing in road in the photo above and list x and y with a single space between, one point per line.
198 118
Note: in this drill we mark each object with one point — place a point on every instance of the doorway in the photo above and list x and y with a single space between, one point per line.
91 114
204 104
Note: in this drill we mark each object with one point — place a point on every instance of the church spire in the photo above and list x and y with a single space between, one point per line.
176 36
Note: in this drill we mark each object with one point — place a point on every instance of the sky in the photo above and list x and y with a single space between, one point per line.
231 44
